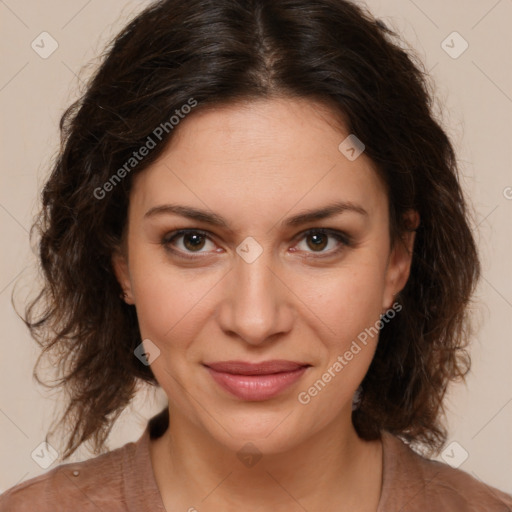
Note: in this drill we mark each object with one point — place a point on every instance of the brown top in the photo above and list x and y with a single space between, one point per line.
123 481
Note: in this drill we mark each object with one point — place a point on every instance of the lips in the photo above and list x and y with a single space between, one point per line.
264 368
256 381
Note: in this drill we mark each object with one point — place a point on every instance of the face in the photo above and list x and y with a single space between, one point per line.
254 278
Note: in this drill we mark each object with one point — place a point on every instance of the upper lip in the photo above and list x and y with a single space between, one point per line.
263 368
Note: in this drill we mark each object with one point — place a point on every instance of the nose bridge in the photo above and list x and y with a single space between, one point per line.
257 304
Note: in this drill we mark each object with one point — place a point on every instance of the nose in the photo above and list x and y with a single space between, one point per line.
257 304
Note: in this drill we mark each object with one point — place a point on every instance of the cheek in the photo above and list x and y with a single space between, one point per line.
169 301
346 309
345 300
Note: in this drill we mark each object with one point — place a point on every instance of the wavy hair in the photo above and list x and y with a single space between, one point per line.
222 51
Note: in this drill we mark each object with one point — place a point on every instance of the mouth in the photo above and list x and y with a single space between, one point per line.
256 381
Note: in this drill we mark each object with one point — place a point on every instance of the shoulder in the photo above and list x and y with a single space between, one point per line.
417 483
91 485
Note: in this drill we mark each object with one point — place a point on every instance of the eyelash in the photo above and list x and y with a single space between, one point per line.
344 239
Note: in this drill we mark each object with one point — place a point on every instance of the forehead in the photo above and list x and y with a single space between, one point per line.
263 157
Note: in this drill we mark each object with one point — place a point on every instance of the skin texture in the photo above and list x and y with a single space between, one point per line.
256 164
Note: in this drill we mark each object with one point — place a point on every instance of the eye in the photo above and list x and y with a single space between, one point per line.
319 240
194 240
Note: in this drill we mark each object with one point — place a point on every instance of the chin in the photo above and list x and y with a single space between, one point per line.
270 433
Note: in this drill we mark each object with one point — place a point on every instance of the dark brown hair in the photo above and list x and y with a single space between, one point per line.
217 52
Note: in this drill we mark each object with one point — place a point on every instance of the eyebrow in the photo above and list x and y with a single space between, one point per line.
214 219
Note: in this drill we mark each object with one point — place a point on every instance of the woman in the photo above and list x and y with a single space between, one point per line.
255 210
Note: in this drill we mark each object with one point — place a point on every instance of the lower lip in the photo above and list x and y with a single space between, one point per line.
257 387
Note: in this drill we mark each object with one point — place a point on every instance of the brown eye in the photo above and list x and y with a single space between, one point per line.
192 241
318 239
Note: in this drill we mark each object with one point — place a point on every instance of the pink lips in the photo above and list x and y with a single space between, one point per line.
256 381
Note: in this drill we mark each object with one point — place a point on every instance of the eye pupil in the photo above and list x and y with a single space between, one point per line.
198 243
319 243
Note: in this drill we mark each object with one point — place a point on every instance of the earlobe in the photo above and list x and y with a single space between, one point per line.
120 266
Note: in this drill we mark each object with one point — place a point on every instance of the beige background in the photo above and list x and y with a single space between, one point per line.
475 91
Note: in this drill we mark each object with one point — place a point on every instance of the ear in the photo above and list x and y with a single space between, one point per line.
120 266
399 264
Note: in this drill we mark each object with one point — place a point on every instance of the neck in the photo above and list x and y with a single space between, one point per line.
331 470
